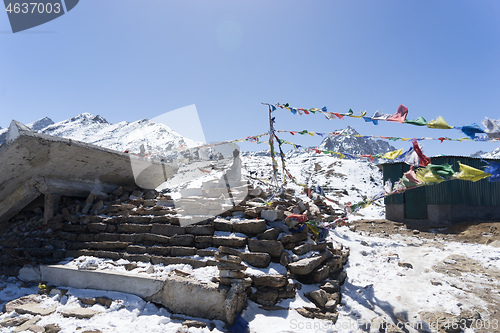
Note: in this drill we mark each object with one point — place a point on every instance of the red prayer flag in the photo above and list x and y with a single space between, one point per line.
423 160
400 115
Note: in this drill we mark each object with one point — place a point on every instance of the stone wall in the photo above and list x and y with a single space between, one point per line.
141 226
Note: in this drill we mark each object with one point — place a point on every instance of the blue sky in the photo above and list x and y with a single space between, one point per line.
128 60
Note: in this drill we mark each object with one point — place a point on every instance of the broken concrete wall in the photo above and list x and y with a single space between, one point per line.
32 163
179 294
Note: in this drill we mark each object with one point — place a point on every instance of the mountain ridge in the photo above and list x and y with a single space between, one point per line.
122 136
349 143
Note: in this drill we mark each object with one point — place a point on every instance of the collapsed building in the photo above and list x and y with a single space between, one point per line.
62 198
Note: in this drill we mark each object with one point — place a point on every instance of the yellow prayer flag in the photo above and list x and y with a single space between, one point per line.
470 173
405 139
427 177
392 154
340 154
354 116
310 133
439 123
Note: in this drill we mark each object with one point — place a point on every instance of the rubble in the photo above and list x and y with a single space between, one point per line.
143 226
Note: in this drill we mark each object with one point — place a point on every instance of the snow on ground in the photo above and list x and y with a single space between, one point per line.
127 313
342 180
377 289
202 274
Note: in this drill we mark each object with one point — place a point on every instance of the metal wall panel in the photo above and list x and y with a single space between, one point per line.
455 192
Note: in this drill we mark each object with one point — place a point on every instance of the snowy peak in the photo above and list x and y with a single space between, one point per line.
94 129
87 117
348 131
494 154
349 143
40 124
120 136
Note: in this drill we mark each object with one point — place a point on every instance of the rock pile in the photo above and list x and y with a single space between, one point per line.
144 226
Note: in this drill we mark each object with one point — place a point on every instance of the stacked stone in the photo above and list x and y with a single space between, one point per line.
326 300
271 288
285 205
142 226
231 270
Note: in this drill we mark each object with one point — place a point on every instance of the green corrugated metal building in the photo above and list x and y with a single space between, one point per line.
447 202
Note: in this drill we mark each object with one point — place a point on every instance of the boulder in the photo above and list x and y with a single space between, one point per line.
256 192
331 286
253 211
227 258
52 328
223 265
330 306
318 297
223 225
250 226
200 230
238 242
131 228
181 251
274 248
269 234
259 260
10 322
182 240
229 250
269 280
319 274
194 323
306 265
294 238
302 249
266 297
30 304
80 313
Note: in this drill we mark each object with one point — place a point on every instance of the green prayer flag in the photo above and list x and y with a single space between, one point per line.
420 121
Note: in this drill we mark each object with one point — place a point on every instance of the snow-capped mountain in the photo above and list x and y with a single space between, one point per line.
494 154
36 126
40 124
120 136
349 143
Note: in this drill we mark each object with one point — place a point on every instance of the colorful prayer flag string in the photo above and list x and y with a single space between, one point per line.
390 138
429 175
492 126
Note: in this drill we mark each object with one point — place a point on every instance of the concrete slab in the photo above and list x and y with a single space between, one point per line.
142 286
179 294
32 164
